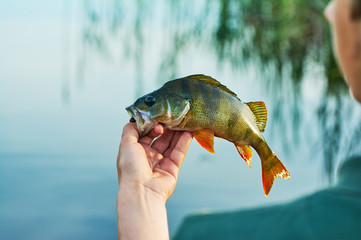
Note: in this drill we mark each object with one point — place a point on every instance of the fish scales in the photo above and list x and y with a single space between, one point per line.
205 107
220 112
210 108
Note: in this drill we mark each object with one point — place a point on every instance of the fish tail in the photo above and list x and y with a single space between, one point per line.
272 167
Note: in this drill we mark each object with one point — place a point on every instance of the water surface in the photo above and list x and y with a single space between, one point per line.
61 118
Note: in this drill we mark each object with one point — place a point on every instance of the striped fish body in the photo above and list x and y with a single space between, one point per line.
216 110
205 107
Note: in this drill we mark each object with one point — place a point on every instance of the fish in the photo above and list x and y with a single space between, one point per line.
202 105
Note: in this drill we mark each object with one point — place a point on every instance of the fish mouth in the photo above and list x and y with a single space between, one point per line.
142 119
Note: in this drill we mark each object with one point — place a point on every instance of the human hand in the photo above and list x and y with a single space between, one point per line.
152 167
147 174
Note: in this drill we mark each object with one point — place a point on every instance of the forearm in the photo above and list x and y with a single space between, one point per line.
141 214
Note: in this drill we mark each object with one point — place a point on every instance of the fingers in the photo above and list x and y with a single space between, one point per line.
130 136
174 145
176 153
179 146
130 133
155 132
163 142
130 146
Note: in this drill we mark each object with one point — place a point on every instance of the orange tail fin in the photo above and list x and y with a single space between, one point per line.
272 167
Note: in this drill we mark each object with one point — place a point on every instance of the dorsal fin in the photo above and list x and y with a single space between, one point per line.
211 81
260 112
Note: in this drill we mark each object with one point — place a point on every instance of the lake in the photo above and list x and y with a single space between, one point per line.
62 109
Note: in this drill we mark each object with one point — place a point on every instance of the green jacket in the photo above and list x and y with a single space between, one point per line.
333 213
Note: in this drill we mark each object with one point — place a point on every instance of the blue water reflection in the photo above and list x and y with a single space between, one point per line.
56 197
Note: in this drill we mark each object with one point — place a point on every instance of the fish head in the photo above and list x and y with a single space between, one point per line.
157 107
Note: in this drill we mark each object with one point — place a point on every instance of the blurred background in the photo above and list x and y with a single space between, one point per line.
69 68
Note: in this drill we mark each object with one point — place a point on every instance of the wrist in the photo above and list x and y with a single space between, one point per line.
141 213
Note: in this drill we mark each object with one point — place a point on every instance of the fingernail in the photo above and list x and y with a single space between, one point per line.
330 12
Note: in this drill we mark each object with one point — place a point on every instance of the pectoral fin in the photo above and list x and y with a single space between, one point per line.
205 139
246 153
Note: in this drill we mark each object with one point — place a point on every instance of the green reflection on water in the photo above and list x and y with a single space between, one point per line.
280 37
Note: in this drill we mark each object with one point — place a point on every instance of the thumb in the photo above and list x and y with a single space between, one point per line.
130 134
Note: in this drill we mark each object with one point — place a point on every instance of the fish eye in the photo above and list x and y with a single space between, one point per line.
149 100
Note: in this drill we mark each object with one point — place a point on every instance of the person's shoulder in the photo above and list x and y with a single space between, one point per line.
241 224
316 215
349 174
